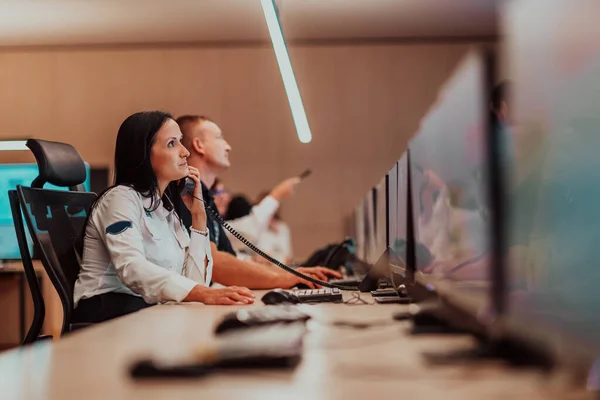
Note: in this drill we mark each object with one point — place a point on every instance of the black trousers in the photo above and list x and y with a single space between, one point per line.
107 306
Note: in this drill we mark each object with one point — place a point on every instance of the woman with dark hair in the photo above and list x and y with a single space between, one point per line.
136 250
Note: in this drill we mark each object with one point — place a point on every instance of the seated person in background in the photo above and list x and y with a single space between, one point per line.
222 197
236 215
239 207
136 250
271 202
209 153
276 240
252 221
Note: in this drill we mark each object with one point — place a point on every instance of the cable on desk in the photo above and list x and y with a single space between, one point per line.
356 300
361 325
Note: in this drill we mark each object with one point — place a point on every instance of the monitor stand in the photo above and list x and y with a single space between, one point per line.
517 355
379 270
426 319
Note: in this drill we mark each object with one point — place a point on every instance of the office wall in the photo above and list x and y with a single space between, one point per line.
363 102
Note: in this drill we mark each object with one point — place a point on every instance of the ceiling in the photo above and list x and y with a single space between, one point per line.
75 22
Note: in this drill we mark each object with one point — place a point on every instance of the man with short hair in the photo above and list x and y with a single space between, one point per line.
209 152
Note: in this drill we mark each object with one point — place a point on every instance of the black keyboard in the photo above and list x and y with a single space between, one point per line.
319 295
352 282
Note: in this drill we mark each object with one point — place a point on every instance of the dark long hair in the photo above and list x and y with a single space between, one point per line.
132 159
132 153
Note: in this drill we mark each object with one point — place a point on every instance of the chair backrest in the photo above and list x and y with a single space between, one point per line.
59 164
56 221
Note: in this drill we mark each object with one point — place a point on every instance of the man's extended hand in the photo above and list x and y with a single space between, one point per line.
285 188
288 280
320 273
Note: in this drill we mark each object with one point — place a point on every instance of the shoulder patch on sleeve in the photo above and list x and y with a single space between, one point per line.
118 227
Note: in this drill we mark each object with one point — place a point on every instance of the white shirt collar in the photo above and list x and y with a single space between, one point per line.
162 211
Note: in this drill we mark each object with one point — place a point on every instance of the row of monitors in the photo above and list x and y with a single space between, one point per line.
375 230
12 175
504 220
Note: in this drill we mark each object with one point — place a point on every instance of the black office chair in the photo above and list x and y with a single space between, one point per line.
39 308
55 220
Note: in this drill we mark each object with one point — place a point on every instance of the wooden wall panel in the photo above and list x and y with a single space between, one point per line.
363 103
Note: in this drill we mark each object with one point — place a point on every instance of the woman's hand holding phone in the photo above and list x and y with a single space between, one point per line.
194 203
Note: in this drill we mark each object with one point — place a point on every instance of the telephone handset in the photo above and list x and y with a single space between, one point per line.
188 189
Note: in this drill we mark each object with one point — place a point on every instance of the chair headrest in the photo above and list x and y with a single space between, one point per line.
59 163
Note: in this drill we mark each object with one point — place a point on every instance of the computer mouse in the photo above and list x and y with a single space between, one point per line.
402 291
280 296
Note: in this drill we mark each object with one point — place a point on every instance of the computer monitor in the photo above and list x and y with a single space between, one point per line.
392 204
369 227
399 240
552 169
449 167
12 175
381 217
359 230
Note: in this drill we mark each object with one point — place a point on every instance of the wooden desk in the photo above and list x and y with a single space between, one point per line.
379 362
16 305
13 295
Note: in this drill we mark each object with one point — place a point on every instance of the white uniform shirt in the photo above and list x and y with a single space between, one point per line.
132 251
277 242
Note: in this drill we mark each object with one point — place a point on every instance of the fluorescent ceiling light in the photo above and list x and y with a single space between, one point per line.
287 73
6 145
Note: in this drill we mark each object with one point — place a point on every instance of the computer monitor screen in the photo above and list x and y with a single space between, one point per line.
392 203
12 175
552 173
359 231
449 185
381 218
398 239
369 227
